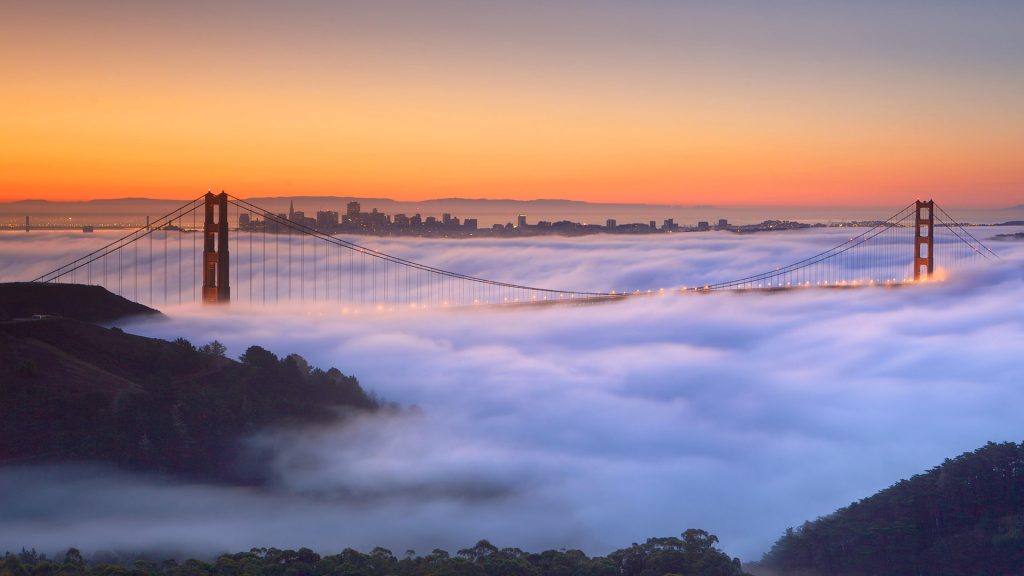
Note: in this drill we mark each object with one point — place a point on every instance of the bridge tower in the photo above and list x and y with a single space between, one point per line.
924 236
216 259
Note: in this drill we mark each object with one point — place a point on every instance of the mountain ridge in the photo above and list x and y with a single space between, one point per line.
964 516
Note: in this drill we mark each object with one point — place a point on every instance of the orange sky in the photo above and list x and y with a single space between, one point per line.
578 100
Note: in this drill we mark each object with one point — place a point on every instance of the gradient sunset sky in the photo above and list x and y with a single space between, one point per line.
860 103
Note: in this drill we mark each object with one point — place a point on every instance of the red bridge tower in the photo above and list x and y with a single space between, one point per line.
924 236
216 261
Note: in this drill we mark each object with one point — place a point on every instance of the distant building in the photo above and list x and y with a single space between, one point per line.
243 222
521 221
377 220
299 217
703 226
274 224
610 224
723 224
653 225
669 225
446 219
326 220
469 224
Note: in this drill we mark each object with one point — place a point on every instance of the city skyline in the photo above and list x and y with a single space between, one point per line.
731 103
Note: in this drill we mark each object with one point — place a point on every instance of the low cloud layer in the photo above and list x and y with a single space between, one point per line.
589 427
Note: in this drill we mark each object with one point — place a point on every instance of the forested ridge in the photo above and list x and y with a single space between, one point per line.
694 553
74 391
963 517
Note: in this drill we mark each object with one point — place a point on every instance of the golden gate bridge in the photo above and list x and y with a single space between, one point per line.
275 259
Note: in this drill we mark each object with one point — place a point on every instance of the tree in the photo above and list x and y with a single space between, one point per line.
259 358
185 344
214 348
697 541
481 550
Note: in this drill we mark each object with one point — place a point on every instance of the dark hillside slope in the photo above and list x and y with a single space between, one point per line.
70 390
79 301
963 517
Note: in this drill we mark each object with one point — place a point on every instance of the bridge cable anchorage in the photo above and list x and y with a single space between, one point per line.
899 250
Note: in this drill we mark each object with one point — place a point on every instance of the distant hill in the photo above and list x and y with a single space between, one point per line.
965 516
78 301
130 205
1009 237
75 391
123 206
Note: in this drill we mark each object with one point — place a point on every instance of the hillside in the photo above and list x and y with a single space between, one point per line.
77 391
79 301
965 516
